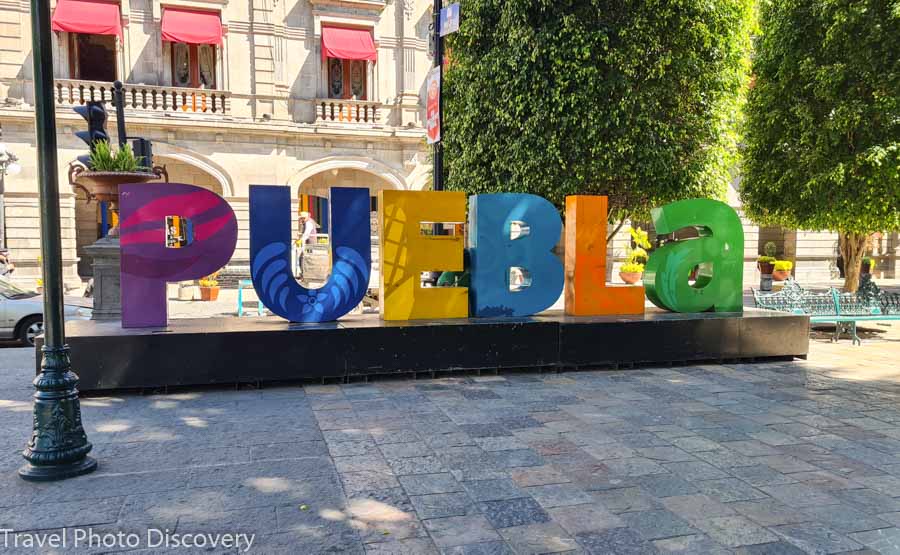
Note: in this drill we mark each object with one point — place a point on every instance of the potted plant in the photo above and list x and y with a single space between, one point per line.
868 265
209 287
633 269
766 262
106 169
631 272
782 270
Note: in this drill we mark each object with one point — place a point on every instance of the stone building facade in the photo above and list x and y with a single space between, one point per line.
266 102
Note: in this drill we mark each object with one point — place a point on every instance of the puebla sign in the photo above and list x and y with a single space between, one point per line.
405 252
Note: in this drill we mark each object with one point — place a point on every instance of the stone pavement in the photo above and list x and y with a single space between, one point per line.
781 458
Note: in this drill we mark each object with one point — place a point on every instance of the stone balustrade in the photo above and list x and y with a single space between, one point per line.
335 110
150 98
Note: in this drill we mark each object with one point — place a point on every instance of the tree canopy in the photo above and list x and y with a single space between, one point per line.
823 117
637 99
823 120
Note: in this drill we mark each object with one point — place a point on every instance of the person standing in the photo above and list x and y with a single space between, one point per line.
6 265
307 237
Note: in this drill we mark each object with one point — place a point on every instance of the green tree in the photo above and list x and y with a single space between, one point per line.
635 99
823 121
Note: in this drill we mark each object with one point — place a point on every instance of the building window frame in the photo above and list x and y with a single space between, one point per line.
73 47
201 61
370 76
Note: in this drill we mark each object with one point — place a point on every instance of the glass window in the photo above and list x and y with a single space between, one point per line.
358 79
207 66
193 65
181 65
335 78
346 79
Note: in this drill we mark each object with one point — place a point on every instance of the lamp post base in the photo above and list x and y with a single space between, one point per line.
50 473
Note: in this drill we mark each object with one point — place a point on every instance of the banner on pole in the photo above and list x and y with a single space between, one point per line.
433 106
449 19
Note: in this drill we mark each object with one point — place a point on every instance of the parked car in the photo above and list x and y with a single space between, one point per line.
22 312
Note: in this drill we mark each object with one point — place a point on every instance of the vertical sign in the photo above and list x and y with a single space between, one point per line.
449 19
433 106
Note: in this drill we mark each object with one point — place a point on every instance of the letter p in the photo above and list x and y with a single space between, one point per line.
151 258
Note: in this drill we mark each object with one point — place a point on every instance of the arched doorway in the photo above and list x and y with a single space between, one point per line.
312 261
182 172
312 193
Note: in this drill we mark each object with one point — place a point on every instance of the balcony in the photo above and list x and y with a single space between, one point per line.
360 112
145 98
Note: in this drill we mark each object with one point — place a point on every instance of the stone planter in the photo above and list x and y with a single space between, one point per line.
186 291
103 186
630 277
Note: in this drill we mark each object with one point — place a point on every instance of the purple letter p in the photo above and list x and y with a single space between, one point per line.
202 235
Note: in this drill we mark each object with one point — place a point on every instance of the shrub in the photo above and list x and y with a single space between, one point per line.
105 159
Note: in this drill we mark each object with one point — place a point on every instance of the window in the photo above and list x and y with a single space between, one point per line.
193 65
92 57
347 79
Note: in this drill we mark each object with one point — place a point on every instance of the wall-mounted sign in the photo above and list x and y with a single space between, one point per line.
433 106
513 272
449 19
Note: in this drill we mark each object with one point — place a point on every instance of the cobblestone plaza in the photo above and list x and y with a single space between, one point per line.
790 457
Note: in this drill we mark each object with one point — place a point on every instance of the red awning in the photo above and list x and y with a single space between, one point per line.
91 17
191 26
348 44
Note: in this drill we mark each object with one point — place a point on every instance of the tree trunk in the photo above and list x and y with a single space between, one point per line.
615 230
853 247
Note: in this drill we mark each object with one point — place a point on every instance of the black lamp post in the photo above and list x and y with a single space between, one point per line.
58 447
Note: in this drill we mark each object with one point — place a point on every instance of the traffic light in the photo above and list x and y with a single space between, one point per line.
95 114
143 151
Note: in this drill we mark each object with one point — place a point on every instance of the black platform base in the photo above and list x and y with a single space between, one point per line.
255 350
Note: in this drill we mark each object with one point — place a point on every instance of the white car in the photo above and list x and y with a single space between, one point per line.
22 312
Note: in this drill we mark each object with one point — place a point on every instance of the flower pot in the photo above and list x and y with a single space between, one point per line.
631 277
765 268
103 186
780 275
209 293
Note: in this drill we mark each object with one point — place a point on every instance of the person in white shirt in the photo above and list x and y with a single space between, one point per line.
308 229
307 237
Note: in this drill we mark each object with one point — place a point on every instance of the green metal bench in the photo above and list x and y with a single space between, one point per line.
844 310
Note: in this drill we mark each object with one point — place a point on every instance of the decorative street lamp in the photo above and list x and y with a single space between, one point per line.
8 166
58 447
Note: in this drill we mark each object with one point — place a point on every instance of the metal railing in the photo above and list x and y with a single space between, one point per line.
151 98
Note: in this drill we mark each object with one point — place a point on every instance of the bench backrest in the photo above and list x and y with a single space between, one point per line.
789 299
889 303
854 304
868 301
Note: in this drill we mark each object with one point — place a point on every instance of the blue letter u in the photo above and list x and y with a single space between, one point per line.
270 255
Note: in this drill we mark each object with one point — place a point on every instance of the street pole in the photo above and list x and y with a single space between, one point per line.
437 153
58 447
119 103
